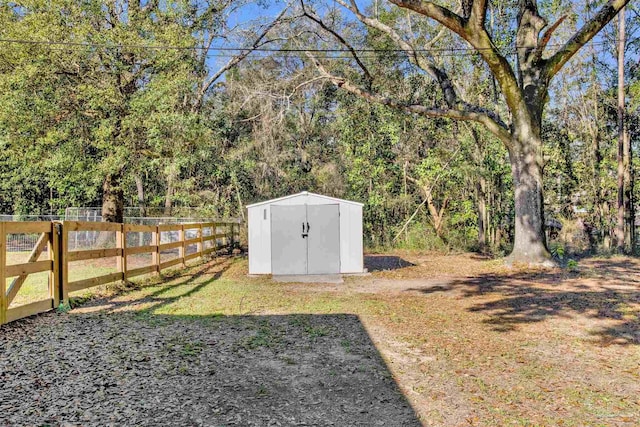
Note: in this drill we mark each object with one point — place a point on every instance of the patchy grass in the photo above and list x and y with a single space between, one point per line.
468 341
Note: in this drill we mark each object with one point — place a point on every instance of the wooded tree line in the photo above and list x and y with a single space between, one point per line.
449 120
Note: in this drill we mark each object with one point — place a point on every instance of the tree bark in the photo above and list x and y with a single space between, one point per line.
112 199
627 158
481 203
601 220
481 191
168 200
629 232
436 213
112 208
530 243
623 243
141 199
437 217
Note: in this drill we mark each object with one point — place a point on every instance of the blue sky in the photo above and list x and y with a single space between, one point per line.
255 11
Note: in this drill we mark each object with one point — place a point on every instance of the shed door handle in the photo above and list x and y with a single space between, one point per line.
307 227
303 227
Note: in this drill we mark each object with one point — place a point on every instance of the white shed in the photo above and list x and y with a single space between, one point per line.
305 233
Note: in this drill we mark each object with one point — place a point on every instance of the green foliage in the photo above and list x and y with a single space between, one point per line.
557 250
71 116
264 337
420 236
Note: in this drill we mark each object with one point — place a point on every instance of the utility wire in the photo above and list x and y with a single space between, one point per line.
260 49
337 56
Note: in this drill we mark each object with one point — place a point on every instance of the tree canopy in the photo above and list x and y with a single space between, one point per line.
449 120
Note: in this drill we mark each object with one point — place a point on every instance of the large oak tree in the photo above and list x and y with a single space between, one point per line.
524 88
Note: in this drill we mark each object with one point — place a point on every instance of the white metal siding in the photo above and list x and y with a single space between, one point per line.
351 238
259 240
351 255
305 199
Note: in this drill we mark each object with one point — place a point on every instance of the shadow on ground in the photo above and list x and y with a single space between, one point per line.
617 267
521 298
385 262
105 366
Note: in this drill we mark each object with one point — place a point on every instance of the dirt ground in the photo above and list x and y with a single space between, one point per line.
425 339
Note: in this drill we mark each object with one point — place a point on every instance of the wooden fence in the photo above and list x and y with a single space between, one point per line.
188 241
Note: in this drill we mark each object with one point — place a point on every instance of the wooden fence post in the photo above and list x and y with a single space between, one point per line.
121 243
181 249
64 262
3 279
54 274
200 246
223 239
214 243
225 236
155 256
236 235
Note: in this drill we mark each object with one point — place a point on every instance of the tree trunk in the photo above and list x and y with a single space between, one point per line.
482 213
437 216
168 200
481 190
112 208
140 190
530 243
629 211
606 239
621 214
112 199
601 221
627 158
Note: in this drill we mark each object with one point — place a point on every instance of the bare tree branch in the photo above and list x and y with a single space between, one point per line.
406 224
257 43
547 35
315 79
584 34
480 40
439 75
428 188
478 13
497 128
414 57
341 39
444 16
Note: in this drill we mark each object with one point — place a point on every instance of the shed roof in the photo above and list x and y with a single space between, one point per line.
304 193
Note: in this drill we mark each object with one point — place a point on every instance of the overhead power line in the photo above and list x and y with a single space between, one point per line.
460 50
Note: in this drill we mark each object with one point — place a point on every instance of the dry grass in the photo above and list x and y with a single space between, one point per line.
468 341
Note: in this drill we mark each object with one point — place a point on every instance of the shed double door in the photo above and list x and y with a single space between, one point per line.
305 239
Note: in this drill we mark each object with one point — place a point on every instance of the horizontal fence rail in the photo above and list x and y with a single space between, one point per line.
60 241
